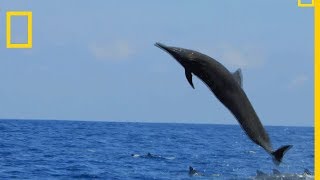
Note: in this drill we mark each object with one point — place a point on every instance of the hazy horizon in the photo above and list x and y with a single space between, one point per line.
152 122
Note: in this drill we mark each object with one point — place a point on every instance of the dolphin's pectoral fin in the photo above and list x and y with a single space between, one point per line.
238 76
189 77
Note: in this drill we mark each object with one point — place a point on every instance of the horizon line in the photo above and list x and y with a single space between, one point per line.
148 122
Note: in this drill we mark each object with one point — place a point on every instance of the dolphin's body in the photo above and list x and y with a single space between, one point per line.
227 87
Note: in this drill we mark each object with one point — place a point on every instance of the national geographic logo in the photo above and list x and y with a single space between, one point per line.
9 15
27 14
305 4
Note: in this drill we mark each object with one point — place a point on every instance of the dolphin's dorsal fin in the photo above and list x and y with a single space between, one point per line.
189 77
237 75
191 168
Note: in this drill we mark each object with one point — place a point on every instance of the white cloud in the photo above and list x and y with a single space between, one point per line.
298 81
239 57
114 51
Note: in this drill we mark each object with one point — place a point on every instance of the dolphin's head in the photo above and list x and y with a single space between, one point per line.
192 61
184 56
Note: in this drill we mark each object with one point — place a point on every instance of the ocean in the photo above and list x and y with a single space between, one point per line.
43 149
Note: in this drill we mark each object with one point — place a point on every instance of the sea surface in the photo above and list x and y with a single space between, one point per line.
35 149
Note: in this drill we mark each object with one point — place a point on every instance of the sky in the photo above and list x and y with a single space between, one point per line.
96 60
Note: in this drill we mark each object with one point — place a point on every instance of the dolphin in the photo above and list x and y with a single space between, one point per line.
307 172
194 172
227 87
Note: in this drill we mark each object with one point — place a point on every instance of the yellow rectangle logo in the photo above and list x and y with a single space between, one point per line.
300 4
29 17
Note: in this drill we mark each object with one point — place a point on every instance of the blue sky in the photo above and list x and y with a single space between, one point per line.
96 60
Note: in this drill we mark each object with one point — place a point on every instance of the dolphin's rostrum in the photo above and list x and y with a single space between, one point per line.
227 87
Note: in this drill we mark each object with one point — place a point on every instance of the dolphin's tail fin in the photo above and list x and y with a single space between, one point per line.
278 154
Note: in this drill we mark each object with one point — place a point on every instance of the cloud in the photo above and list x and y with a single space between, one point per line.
114 51
298 81
240 57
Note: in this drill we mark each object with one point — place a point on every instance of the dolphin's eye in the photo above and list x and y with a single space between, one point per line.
191 56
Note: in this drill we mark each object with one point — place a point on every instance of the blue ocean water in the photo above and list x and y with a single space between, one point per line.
31 149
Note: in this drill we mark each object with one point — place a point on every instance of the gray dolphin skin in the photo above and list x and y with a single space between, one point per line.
227 87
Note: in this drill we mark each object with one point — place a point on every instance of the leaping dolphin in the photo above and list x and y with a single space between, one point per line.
227 87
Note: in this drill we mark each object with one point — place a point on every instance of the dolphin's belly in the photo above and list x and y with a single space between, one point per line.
232 96
240 106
